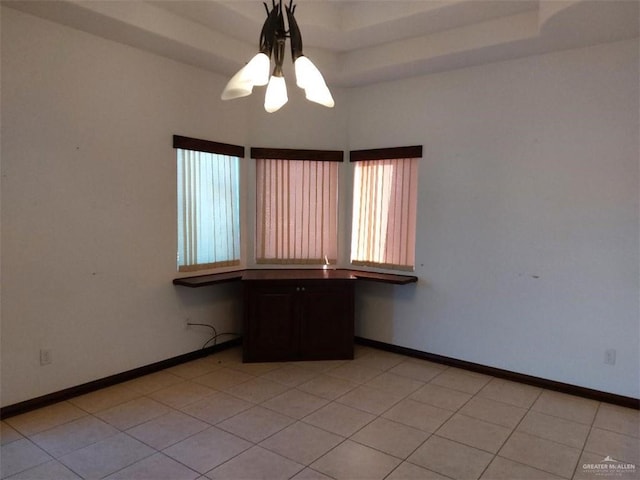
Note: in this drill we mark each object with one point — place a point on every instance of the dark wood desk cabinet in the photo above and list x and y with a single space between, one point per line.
297 314
298 319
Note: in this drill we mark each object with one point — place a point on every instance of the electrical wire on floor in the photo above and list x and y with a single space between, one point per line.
214 336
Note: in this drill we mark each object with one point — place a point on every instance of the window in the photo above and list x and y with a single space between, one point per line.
383 231
296 206
208 204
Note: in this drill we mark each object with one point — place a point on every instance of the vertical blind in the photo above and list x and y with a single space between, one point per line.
208 210
384 213
296 211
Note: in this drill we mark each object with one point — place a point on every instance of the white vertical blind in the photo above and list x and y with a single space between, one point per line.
208 210
296 211
384 213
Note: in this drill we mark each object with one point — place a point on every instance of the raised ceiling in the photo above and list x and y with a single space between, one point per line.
353 42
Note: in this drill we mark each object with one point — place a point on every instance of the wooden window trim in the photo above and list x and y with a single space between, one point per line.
414 151
188 143
297 154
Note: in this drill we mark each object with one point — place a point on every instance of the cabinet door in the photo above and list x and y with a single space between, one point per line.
271 329
326 321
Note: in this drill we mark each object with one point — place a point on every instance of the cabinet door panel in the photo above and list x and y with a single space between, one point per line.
326 322
271 330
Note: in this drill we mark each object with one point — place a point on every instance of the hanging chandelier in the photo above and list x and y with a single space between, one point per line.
272 42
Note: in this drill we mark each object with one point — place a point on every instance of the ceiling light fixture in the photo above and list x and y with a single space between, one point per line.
256 72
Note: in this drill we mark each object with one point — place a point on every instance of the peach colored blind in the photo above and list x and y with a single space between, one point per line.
296 211
384 213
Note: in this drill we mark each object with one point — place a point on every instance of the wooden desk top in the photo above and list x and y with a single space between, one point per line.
293 274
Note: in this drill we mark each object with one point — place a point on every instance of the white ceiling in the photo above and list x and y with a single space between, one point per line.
352 42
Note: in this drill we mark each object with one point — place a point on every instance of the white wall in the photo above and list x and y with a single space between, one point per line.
527 246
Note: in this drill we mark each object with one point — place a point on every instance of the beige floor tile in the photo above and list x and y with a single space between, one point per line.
565 406
395 383
621 447
216 408
451 458
257 390
19 456
226 357
409 471
494 412
258 368
504 391
391 437
504 469
370 399
301 442
321 366
132 413
256 424
164 431
618 419
327 387
291 375
152 382
557 429
206 450
155 467
256 464
456 379
542 454
107 456
74 435
354 373
441 397
360 350
379 360
181 394
593 466
339 419
105 398
474 433
417 414
222 378
352 461
45 418
8 434
421 371
310 474
193 369
51 470
295 403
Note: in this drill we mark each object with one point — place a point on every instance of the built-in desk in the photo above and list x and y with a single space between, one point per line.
297 314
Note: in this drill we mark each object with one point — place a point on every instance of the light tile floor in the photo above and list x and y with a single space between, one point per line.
380 416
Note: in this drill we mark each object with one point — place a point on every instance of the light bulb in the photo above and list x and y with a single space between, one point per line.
256 72
311 80
276 95
258 69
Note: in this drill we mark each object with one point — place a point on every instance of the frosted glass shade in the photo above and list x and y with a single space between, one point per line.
256 72
311 80
276 95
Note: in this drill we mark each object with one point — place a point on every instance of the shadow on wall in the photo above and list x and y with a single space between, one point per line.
376 307
217 305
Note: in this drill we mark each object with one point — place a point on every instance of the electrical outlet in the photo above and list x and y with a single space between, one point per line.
45 357
610 356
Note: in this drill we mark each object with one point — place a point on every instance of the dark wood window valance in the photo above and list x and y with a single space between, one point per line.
297 154
187 143
414 151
